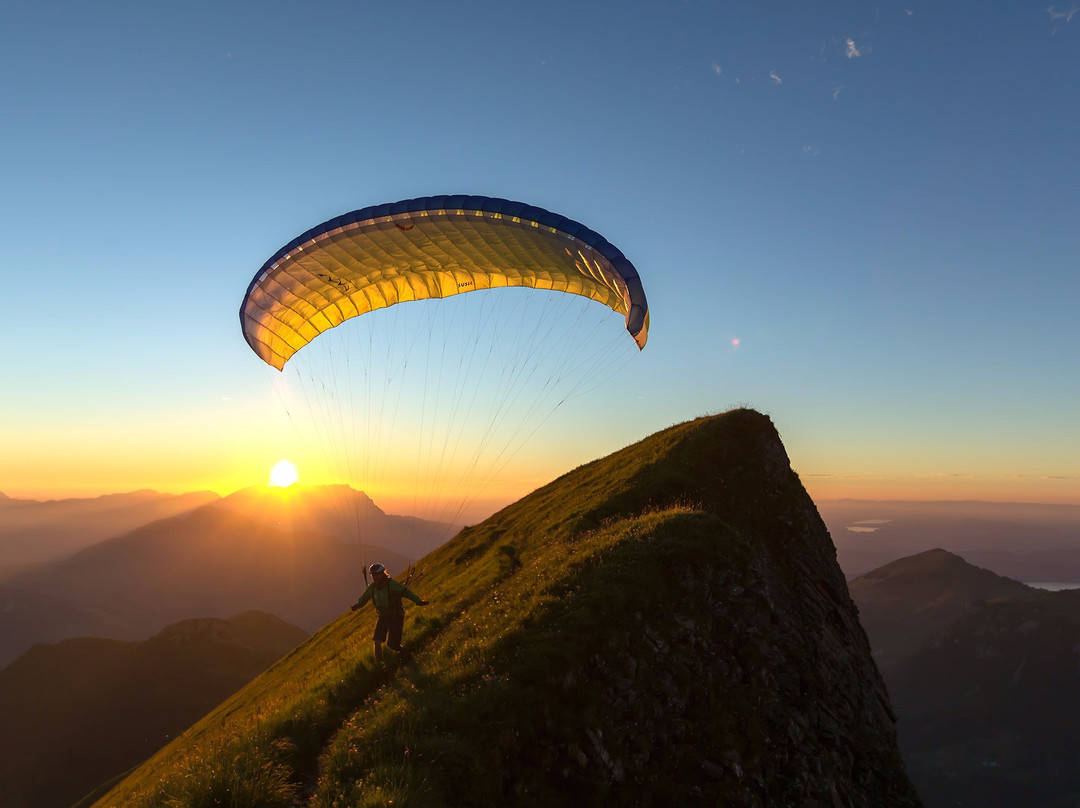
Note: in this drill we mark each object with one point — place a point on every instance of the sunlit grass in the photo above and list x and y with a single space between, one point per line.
519 605
241 774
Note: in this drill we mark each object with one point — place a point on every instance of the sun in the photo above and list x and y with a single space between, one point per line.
283 474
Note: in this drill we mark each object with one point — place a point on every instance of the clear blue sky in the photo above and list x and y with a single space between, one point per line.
879 202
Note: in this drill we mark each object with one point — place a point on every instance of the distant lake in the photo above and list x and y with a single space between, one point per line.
1052 587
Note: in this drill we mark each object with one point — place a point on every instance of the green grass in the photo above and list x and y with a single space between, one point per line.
246 773
487 703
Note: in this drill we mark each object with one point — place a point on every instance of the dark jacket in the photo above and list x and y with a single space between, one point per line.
386 596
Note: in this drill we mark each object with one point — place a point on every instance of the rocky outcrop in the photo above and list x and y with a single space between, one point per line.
752 684
664 626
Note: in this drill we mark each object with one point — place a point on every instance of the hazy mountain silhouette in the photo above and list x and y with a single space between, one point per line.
984 676
1024 541
665 626
215 561
27 618
341 511
989 713
32 531
909 602
85 710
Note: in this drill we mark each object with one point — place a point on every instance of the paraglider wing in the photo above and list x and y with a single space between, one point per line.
431 247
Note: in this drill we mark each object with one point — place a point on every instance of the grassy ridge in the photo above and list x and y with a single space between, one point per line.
489 704
489 711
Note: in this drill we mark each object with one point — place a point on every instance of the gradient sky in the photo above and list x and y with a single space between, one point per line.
878 202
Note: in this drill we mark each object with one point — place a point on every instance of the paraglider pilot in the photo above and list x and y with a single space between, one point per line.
386 594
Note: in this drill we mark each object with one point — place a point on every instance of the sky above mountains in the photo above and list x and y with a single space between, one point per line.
858 219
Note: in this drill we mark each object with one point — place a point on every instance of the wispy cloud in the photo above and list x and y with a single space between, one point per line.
852 52
828 476
868 525
954 475
1045 477
1062 15
836 92
775 77
717 69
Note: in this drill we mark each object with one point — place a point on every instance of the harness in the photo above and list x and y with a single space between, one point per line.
387 597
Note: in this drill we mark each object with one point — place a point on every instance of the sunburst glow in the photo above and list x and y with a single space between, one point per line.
283 474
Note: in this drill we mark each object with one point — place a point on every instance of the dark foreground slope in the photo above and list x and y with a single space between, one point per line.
86 709
990 710
665 626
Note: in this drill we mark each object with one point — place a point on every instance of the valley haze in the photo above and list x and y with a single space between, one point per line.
531 675
1032 542
226 546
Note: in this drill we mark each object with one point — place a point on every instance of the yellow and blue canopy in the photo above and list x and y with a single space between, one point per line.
431 247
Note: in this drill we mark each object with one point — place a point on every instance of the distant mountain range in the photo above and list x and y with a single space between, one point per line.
268 550
984 675
983 670
32 531
1027 542
341 511
664 626
908 603
84 710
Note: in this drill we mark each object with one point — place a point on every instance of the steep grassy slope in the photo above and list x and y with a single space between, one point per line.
665 626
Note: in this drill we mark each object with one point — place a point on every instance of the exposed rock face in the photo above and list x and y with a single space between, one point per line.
666 626
755 683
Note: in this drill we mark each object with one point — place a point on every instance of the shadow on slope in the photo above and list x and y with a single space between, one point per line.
666 625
